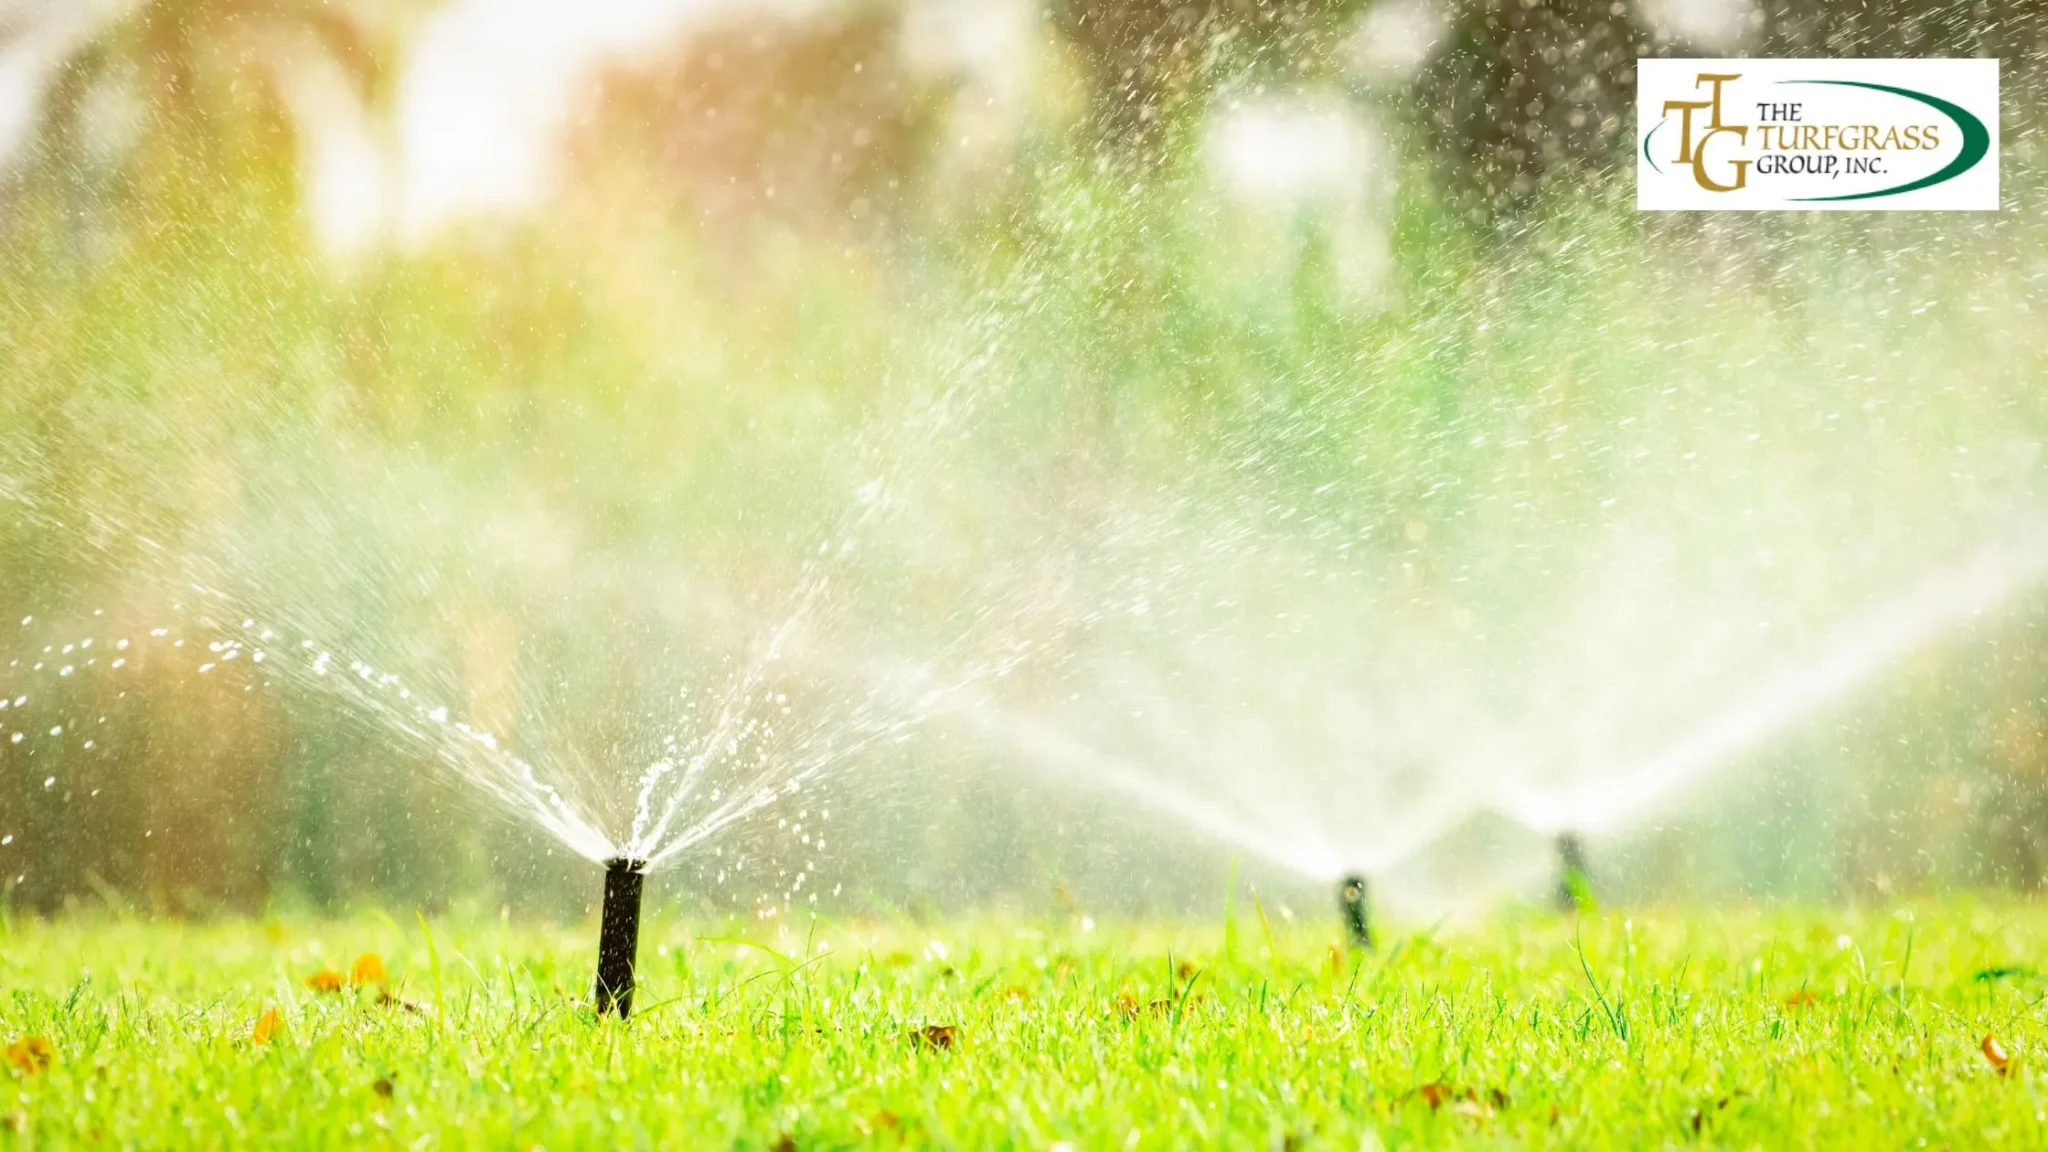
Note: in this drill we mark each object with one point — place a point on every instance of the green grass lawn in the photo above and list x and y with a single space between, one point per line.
1856 1029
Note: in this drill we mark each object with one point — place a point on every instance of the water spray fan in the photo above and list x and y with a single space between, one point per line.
618 935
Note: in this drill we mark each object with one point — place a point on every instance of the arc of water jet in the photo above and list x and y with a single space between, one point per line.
499 774
757 794
910 687
732 707
474 757
870 726
1243 790
1860 652
1310 859
812 584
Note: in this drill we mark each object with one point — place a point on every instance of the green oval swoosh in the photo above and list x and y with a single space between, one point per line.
1646 149
1976 141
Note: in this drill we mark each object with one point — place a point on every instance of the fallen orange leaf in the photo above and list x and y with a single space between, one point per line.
368 969
934 1036
325 980
268 1025
31 1054
1472 1108
1994 1054
1800 999
1464 1101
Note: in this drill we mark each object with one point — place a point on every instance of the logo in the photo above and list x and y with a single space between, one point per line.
1816 135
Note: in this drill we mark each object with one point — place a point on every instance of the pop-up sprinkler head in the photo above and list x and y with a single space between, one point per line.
1574 889
1354 901
618 935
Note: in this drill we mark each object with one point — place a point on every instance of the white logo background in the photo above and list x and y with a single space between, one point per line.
1812 135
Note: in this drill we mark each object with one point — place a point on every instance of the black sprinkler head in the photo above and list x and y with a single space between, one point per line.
1574 889
618 935
1354 901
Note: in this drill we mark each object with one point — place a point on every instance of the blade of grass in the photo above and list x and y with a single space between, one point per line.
434 964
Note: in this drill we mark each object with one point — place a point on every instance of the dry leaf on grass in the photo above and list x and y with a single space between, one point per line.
1699 1115
1994 1055
267 1027
1472 1108
1801 999
325 980
368 969
1127 1006
31 1054
1463 1101
934 1036
1435 1094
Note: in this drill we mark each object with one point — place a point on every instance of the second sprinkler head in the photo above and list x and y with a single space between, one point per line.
1574 887
1354 903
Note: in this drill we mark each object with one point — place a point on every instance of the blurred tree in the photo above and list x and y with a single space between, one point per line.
171 100
1525 93
2015 32
802 123
1530 93
164 152
1153 64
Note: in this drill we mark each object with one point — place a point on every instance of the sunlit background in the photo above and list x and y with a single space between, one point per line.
879 456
